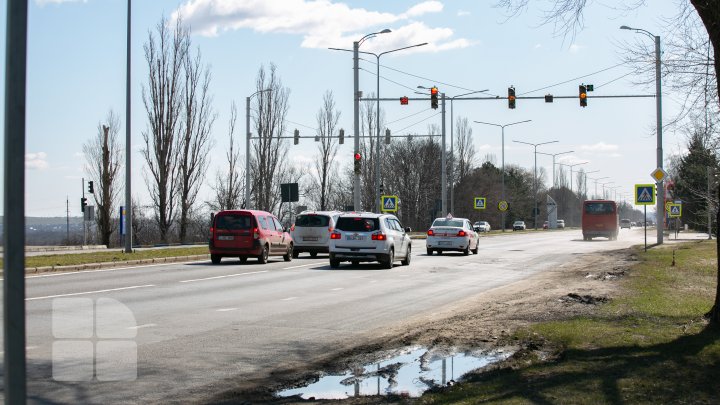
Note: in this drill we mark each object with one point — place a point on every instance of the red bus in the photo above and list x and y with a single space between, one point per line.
600 218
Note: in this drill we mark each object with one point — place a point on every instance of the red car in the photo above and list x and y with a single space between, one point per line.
248 233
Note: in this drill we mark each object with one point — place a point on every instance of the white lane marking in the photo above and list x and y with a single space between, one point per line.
147 325
302 265
90 292
104 270
227 309
337 289
289 299
225 276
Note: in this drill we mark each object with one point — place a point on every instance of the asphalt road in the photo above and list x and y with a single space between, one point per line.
197 326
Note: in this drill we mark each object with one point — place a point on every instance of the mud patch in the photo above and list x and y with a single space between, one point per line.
573 298
606 276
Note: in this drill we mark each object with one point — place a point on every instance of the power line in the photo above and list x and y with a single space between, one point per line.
419 77
419 122
391 81
573 79
404 118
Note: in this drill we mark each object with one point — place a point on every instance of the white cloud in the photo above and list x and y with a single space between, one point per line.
538 46
36 161
322 23
575 48
463 13
42 3
600 147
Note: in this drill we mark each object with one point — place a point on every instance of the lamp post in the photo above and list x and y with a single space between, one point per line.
128 147
586 177
553 156
535 145
571 171
247 146
660 209
596 183
377 118
502 127
604 197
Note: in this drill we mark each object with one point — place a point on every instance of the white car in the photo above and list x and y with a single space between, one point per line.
311 231
481 226
454 234
519 226
369 237
561 224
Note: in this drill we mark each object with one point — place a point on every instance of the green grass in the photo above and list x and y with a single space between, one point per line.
650 345
109 256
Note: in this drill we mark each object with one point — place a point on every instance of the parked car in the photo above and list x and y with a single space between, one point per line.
545 225
453 234
311 231
519 226
248 233
481 226
369 237
625 223
561 224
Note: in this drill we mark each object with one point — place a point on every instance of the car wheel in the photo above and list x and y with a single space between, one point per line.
334 263
407 257
466 251
215 259
354 262
243 259
295 254
313 254
289 255
389 260
439 252
429 252
477 247
263 257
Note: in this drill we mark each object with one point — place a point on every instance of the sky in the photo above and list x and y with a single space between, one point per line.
76 75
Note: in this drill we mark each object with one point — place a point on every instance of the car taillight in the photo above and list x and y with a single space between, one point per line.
256 233
378 236
462 233
335 235
212 232
430 232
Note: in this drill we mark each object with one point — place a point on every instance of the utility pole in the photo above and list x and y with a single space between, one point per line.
67 216
83 214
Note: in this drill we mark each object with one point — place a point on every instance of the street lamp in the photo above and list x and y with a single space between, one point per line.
553 156
535 145
604 197
660 209
377 118
596 183
586 177
247 146
571 171
502 127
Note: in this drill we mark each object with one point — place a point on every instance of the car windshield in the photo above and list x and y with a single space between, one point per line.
519 223
599 208
357 224
232 222
312 220
448 222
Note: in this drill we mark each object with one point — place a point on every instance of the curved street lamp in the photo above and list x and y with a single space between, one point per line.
247 146
535 145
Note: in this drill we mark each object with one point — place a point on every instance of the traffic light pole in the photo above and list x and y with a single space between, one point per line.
82 186
443 179
356 122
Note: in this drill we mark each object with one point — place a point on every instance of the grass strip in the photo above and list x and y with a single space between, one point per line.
649 345
74 259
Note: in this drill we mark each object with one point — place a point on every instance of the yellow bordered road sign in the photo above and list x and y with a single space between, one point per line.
503 205
659 174
480 203
644 194
389 203
674 210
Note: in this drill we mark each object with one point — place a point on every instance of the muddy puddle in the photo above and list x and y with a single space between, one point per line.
409 373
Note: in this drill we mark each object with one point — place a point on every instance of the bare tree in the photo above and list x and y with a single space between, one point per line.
163 99
327 120
228 185
104 156
465 149
269 160
195 142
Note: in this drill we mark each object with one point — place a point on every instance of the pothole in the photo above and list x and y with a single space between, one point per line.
409 374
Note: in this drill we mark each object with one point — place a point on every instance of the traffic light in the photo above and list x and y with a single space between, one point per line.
387 136
342 136
83 204
358 161
381 188
434 97
297 137
91 187
404 100
511 97
583 96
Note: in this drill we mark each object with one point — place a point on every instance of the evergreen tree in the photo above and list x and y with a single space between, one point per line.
691 184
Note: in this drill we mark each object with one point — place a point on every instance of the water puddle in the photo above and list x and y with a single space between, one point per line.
409 373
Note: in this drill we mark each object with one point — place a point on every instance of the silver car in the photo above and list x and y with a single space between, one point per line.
311 231
369 237
453 234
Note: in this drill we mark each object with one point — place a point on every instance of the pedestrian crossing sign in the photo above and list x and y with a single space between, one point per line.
480 203
644 194
674 210
389 203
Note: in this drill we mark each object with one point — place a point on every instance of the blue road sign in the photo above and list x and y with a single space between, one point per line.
389 203
480 203
644 194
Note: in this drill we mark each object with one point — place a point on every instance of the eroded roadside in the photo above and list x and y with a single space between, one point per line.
485 322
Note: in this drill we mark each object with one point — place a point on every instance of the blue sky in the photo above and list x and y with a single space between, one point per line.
76 74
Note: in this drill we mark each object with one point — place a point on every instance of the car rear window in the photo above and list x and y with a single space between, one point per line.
599 208
232 222
310 220
448 222
357 224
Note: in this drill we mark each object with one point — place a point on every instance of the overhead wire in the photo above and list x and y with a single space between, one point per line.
573 79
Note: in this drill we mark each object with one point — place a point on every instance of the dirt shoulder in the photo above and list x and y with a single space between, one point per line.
485 321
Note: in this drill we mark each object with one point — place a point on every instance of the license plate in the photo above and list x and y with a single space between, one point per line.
445 242
226 238
355 237
310 238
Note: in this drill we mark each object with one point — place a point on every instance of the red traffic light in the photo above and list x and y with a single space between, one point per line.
434 90
358 157
403 100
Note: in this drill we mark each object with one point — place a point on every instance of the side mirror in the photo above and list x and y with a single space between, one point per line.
408 229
